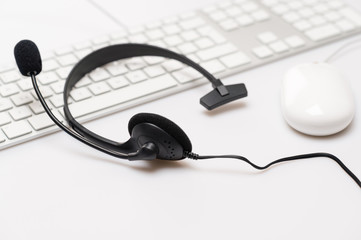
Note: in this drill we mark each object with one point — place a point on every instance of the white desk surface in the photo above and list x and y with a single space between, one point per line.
56 188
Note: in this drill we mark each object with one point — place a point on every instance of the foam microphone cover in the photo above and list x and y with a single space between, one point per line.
27 57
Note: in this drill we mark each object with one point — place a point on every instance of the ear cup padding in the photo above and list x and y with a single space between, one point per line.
164 123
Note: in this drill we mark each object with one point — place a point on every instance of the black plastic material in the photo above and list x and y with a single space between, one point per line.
148 151
168 147
164 123
107 55
218 96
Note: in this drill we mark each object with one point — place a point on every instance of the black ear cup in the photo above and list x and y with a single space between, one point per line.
163 123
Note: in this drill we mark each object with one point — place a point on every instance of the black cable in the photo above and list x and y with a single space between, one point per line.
291 158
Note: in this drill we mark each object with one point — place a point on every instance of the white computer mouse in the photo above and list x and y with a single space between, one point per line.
317 99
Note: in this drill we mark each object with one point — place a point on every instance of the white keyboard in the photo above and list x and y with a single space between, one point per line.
226 38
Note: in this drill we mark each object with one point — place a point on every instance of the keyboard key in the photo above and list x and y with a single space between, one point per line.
244 20
269 3
218 16
321 8
36 107
332 16
171 29
295 41
306 12
187 48
47 78
267 37
229 24
204 42
20 113
173 40
122 95
317 20
116 68
25 84
351 15
64 72
233 11
155 34
323 32
279 47
291 17
262 51
4 118
345 25
225 4
58 87
172 65
118 82
99 74
260 15
212 34
187 74
99 88
2 138
280 9
22 98
85 81
136 76
213 66
17 129
295 5
302 25
58 101
10 76
190 35
80 94
335 4
9 89
154 71
235 60
249 7
41 121
135 63
5 104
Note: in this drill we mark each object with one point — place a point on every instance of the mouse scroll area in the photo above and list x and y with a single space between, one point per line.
317 99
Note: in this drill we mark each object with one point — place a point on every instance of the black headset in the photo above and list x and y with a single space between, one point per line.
151 136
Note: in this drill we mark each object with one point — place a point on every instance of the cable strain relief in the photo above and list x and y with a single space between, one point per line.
191 155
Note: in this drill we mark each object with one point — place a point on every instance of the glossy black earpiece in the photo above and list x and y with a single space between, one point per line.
169 138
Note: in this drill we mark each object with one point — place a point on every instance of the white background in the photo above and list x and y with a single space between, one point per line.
56 188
